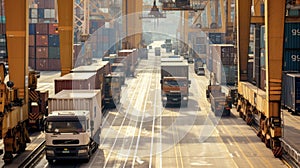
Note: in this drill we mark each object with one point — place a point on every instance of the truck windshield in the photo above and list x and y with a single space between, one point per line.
65 126
117 68
175 83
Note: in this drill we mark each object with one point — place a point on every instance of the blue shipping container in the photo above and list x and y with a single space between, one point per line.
41 13
53 40
31 28
291 91
292 36
262 37
291 60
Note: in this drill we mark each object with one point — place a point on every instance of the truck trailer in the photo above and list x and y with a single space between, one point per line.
73 126
174 81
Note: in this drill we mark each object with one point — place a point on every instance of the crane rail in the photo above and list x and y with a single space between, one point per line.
33 157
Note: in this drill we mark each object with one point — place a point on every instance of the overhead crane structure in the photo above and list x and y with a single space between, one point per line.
254 102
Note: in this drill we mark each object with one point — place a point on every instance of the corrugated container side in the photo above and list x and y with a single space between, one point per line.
32 63
262 37
70 84
33 13
2 39
42 64
41 28
263 58
250 71
54 52
41 13
262 79
42 40
53 28
291 35
32 29
31 52
49 4
291 91
291 60
31 40
41 3
53 40
54 64
2 28
41 52
3 52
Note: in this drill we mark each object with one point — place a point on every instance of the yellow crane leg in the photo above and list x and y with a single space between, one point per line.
274 26
243 33
13 121
66 34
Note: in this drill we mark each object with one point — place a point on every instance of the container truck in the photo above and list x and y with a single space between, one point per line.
73 126
174 81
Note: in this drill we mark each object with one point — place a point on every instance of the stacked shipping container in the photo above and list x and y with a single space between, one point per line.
222 61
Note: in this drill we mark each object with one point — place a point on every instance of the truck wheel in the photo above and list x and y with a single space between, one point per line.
50 161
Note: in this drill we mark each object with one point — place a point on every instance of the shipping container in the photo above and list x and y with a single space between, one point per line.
49 4
216 38
32 63
31 40
262 37
41 3
41 40
54 52
3 40
31 52
42 64
41 52
2 28
41 28
53 28
262 79
292 35
226 74
291 60
250 70
73 81
32 29
53 40
263 58
3 52
76 100
33 13
291 91
54 64
223 53
41 13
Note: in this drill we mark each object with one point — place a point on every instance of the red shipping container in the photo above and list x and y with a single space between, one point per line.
42 40
53 28
41 52
31 40
54 65
2 28
42 64
75 81
41 28
32 63
31 52
262 79
49 4
41 3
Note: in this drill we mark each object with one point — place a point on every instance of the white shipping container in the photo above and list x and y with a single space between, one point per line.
34 13
47 13
33 21
52 13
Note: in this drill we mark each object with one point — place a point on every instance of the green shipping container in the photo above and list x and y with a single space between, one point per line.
54 52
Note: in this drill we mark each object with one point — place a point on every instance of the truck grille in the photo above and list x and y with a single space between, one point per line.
66 141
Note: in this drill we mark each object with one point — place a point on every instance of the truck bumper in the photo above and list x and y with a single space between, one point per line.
70 152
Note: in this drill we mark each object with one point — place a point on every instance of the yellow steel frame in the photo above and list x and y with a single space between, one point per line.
66 34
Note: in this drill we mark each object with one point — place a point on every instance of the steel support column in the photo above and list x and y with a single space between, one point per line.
66 34
274 26
243 33
16 12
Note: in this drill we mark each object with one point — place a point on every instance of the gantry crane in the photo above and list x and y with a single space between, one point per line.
254 102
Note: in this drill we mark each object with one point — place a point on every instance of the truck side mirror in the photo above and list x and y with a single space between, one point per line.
160 81
190 82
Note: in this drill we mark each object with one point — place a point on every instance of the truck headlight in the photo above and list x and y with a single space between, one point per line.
185 98
165 98
49 152
81 151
